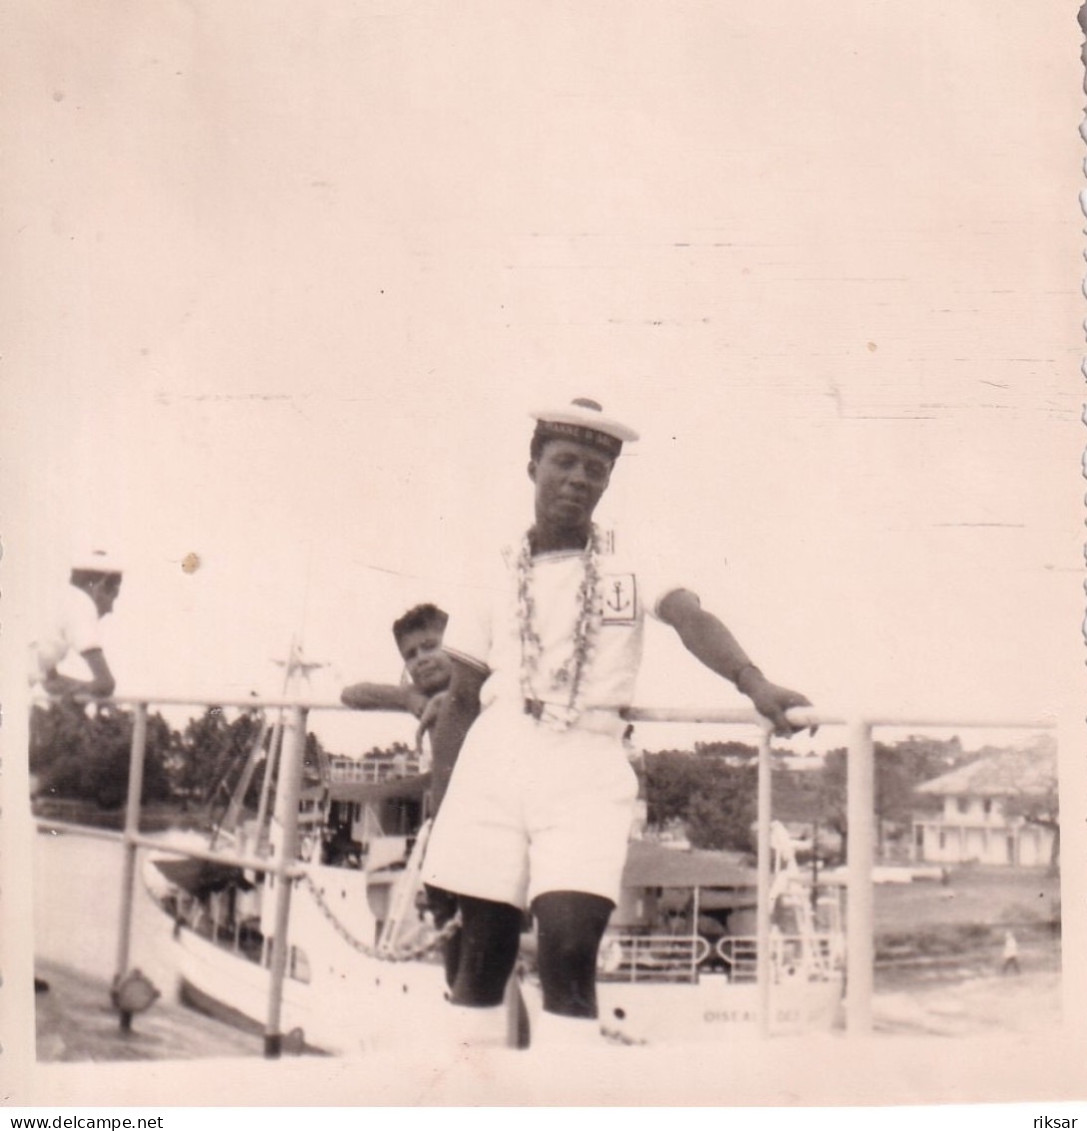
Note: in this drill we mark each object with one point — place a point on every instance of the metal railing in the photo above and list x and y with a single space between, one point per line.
373 771
812 955
282 863
653 958
860 809
860 817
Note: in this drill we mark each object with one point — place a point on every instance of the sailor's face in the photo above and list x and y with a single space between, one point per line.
427 665
570 478
104 592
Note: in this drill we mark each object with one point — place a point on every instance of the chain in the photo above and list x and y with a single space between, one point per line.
407 955
411 953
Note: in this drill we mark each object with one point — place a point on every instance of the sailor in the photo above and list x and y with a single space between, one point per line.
540 801
94 584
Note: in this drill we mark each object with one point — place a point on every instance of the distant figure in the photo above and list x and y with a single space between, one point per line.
1011 955
94 585
418 635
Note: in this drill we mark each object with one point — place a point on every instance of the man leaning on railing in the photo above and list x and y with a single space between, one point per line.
94 584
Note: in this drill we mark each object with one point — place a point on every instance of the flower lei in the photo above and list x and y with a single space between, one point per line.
569 675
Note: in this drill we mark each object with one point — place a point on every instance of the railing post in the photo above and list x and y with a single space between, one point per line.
762 905
860 950
132 829
288 792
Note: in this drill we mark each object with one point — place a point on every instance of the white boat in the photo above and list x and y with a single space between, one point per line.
364 968
679 962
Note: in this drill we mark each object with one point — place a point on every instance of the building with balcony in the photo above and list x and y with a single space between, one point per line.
986 806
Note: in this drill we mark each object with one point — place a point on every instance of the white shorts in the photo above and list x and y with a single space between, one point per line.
531 809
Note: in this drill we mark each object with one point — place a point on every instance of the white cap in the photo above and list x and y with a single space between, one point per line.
97 561
584 420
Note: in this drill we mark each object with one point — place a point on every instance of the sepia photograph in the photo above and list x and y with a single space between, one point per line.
394 390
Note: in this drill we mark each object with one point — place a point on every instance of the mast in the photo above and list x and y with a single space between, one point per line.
293 666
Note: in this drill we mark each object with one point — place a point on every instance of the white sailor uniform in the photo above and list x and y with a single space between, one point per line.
542 796
75 628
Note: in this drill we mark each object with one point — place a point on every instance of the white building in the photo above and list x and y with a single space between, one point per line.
975 825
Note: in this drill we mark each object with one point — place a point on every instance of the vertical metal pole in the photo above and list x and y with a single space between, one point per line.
132 828
288 792
696 911
762 908
860 950
814 864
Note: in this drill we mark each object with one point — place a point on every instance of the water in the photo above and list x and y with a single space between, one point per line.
77 907
77 903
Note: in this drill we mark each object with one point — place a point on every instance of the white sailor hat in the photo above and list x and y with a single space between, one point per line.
97 561
583 420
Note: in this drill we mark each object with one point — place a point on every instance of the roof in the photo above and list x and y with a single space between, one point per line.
652 865
363 791
1002 773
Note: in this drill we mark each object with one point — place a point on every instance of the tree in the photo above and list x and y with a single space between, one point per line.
212 754
83 752
714 798
723 814
738 753
671 778
832 795
1041 807
314 761
899 770
1042 810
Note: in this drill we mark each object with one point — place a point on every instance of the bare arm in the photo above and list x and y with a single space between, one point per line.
101 684
710 641
458 711
384 697
428 717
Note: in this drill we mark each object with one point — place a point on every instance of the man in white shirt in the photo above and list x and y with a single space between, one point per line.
540 801
95 583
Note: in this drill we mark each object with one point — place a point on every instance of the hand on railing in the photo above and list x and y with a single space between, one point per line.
803 716
776 704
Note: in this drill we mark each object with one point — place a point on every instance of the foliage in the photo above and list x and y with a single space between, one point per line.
738 753
713 796
832 794
389 753
899 770
82 752
1043 808
723 816
212 755
714 792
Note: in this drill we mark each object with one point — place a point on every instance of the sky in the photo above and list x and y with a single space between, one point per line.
284 287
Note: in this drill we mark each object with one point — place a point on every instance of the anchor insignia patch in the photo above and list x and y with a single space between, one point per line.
619 594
